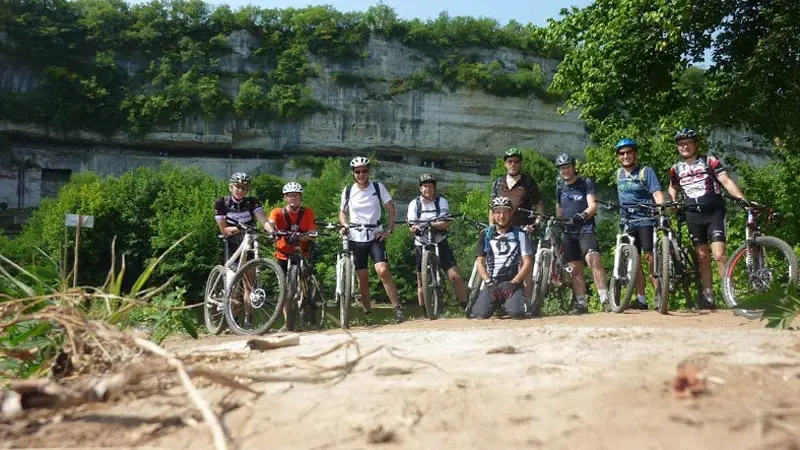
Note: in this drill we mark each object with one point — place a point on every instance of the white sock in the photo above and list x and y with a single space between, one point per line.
603 295
708 293
642 299
581 299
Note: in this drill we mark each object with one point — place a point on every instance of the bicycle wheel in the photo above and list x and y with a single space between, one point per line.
344 290
622 284
772 263
431 295
214 300
255 298
690 279
541 280
318 301
292 297
663 274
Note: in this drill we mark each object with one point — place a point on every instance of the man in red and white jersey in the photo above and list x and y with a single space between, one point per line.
701 179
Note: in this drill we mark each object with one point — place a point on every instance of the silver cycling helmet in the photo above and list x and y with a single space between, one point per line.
502 202
240 178
359 161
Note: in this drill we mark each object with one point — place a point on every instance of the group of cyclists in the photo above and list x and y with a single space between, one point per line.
505 250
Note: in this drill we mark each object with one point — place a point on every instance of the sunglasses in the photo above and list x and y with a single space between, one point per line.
626 152
360 172
241 187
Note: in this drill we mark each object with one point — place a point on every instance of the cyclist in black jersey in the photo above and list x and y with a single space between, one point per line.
237 207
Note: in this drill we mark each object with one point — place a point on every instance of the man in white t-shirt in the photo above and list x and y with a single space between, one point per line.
361 204
428 206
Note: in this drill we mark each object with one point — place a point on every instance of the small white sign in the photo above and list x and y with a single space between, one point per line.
72 221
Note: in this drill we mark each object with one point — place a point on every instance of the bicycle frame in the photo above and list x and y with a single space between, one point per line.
239 257
297 258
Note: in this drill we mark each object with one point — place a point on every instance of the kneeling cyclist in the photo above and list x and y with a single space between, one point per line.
505 259
294 218
428 206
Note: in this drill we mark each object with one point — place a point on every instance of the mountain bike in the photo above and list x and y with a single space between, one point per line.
475 283
346 274
550 270
432 276
303 291
622 281
674 262
248 294
760 263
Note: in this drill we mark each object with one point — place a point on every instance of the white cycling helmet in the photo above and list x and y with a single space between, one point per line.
359 161
502 202
292 187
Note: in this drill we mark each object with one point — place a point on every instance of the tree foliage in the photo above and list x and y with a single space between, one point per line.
108 66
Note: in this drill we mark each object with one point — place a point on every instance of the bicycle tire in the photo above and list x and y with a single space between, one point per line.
345 290
430 292
621 289
663 272
319 300
261 265
541 281
727 282
214 312
691 276
292 294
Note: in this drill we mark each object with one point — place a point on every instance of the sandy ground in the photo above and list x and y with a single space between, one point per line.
596 381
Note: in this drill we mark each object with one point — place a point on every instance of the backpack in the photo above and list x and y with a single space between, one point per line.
641 177
419 206
377 192
296 225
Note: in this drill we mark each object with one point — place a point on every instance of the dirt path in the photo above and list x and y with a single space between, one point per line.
598 381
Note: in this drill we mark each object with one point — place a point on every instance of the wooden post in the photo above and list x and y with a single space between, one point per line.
75 260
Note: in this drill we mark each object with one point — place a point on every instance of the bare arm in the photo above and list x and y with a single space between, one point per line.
343 219
269 226
658 196
482 272
558 210
673 193
262 218
525 270
591 210
225 229
391 215
730 185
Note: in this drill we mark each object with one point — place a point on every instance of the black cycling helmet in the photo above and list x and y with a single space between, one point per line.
686 133
564 159
511 153
427 178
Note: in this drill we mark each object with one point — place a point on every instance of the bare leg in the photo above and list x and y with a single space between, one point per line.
363 288
458 284
382 269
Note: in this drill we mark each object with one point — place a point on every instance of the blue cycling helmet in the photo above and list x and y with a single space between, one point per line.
627 142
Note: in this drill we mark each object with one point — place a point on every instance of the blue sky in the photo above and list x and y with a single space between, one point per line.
523 11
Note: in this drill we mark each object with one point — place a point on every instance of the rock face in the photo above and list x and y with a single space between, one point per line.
452 133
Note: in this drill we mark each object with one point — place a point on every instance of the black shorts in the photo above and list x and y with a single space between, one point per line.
707 226
576 246
643 239
362 251
446 258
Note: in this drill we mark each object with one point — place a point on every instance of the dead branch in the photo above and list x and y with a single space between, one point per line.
218 433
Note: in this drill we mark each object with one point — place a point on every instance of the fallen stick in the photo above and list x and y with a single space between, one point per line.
220 440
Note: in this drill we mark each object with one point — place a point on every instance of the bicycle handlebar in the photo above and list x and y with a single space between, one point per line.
546 216
475 223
